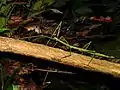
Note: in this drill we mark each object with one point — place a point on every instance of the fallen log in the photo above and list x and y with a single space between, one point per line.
58 55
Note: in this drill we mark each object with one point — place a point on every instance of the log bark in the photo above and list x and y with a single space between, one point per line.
58 55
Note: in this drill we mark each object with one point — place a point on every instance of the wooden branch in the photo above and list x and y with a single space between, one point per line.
58 55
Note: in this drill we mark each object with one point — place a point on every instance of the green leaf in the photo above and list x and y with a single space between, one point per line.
2 29
41 4
3 1
5 9
48 2
9 87
2 22
15 87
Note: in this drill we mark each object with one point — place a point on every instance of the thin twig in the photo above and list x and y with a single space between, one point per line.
87 45
83 50
54 71
67 43
57 28
73 47
91 59
57 42
45 78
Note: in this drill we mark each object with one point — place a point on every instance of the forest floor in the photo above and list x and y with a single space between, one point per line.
82 33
